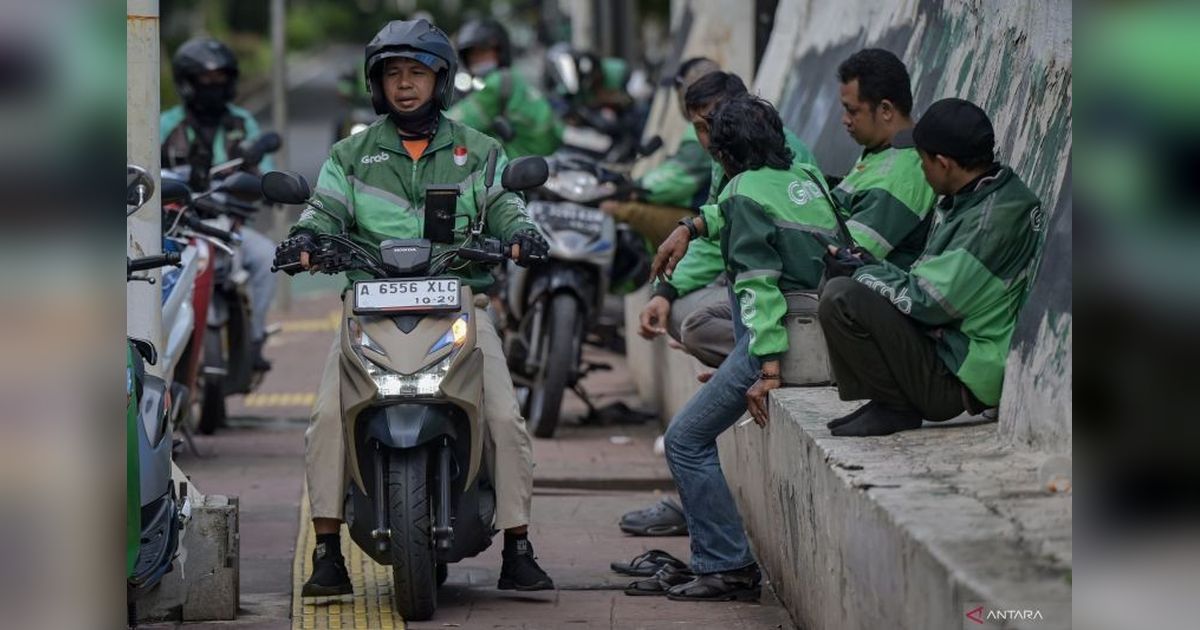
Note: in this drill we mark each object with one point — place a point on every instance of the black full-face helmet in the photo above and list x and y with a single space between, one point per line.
485 33
200 55
413 39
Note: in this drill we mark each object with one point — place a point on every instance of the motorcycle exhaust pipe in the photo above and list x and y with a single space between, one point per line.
443 533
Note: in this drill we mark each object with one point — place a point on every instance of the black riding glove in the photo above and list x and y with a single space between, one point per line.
533 247
847 261
287 254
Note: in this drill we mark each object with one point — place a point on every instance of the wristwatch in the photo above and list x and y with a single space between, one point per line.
690 224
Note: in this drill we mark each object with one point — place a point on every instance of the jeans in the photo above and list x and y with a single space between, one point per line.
717 537
258 252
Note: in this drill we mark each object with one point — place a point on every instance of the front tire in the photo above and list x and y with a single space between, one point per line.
558 351
212 395
414 567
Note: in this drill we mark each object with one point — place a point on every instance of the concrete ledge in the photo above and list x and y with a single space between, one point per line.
204 582
910 531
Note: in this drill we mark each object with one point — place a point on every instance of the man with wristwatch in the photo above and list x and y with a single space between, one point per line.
774 221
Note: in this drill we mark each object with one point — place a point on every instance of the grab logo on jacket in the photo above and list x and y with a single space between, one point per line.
376 159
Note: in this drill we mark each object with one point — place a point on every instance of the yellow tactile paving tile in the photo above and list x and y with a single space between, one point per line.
369 608
280 399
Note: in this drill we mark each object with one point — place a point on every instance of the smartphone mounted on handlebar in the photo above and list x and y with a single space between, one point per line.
441 202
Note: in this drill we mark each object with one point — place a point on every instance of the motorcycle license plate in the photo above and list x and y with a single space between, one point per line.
569 216
406 296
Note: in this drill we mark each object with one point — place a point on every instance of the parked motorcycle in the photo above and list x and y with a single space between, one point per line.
419 496
552 307
156 511
221 353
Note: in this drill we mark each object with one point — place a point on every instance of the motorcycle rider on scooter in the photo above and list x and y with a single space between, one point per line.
376 181
506 107
205 131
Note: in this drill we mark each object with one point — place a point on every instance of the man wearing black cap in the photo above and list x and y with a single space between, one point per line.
931 342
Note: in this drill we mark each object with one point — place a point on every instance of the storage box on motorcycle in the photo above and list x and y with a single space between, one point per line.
807 360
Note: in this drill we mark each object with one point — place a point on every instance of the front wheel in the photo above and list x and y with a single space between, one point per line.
410 517
557 353
212 395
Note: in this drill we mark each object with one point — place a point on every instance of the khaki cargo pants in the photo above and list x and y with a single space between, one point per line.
507 440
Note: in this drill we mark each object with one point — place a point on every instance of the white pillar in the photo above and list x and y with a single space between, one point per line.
144 229
279 120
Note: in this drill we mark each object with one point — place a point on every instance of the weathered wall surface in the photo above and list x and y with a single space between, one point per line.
1014 60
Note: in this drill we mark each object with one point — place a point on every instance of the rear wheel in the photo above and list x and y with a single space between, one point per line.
414 567
557 353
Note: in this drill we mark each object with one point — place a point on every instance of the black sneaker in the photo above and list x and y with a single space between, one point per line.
329 576
520 570
259 363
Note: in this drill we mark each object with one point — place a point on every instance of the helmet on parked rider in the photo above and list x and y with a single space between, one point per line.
198 56
413 39
485 33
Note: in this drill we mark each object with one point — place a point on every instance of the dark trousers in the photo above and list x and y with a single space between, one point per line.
879 354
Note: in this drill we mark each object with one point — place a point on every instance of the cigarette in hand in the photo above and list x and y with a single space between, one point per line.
748 420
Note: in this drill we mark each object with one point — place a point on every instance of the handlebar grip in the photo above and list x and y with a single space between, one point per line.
152 262
479 255
200 227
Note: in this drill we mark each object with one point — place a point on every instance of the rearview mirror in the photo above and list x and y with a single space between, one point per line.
650 146
243 185
139 188
525 173
285 187
175 191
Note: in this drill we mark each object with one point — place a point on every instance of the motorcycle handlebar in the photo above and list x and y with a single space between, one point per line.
201 227
147 263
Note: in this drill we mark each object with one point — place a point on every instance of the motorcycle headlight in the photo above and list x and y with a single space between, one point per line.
426 382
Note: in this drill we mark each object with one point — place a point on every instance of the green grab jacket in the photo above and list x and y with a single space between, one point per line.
371 183
970 281
683 178
886 202
536 130
703 262
774 227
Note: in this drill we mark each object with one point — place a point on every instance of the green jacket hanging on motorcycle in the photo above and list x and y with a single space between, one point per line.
371 182
682 179
535 128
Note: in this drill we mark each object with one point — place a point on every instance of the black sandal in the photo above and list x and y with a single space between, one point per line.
648 564
660 583
740 585
664 518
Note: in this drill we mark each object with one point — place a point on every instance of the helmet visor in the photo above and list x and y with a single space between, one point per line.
433 62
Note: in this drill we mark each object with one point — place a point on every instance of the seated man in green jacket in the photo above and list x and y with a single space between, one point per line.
506 107
773 224
930 342
884 197
704 329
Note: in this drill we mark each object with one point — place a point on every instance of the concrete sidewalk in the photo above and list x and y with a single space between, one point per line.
585 479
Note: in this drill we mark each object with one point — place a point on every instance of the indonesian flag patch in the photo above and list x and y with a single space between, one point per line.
460 156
